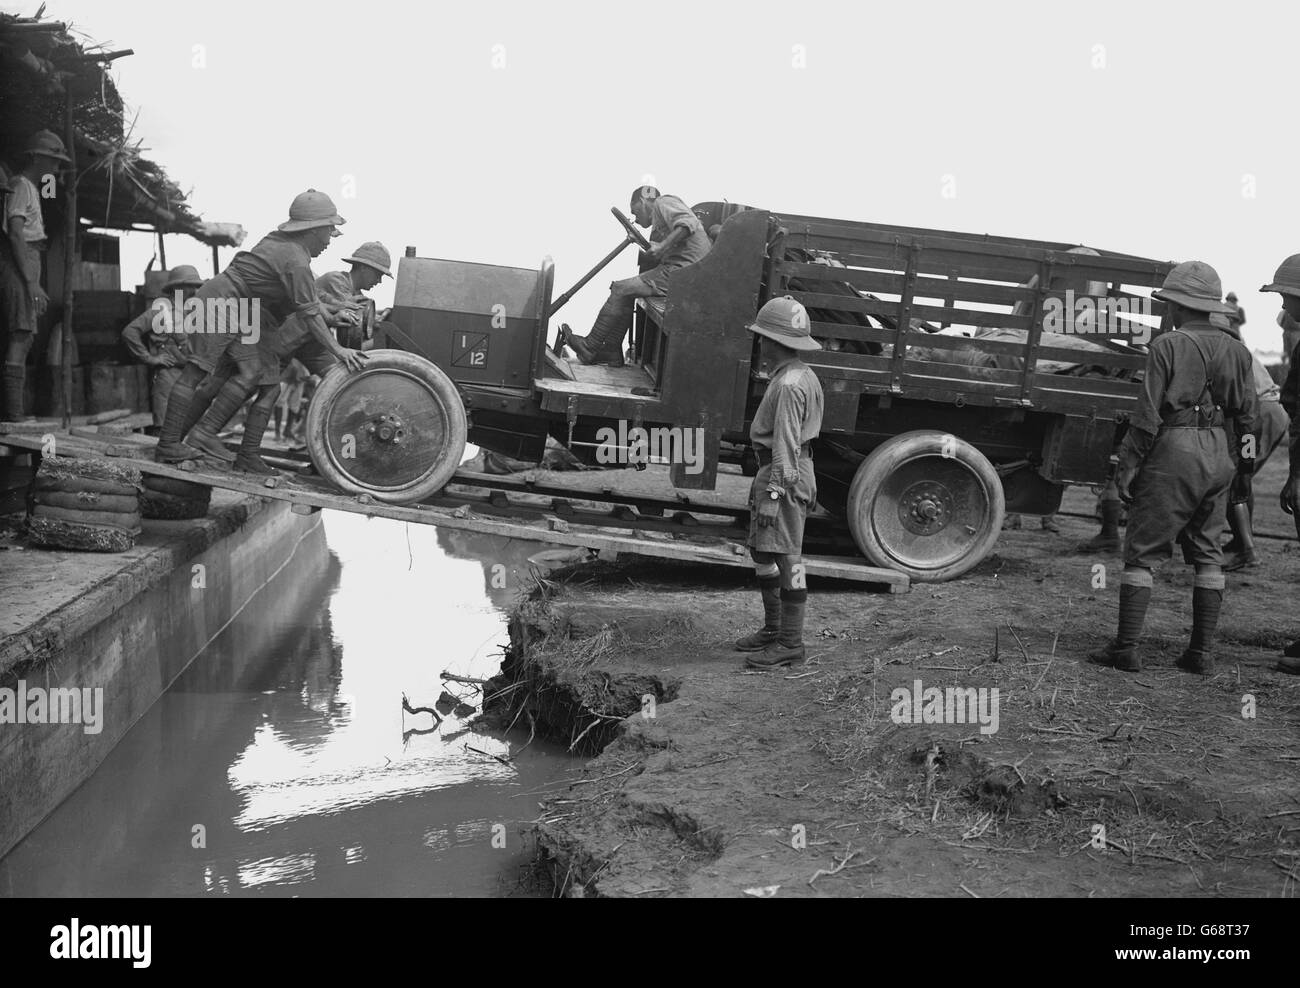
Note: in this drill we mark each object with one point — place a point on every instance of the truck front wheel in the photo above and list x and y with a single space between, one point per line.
395 430
927 504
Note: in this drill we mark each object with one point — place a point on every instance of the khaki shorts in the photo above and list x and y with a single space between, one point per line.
15 304
1180 494
293 338
785 536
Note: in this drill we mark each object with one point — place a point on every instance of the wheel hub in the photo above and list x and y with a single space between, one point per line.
387 429
925 508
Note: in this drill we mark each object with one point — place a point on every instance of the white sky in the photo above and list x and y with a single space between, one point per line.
1149 154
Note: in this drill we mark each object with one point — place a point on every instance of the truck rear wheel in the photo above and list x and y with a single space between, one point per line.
395 430
927 504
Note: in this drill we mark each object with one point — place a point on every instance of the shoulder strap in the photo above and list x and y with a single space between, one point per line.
1207 388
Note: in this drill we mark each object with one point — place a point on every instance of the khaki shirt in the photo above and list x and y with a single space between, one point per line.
278 271
668 214
1176 375
142 338
789 415
25 203
338 296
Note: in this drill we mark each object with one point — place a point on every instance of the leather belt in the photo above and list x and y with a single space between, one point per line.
765 455
1193 418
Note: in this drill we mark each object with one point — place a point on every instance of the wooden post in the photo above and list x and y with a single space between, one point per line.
216 262
162 251
69 253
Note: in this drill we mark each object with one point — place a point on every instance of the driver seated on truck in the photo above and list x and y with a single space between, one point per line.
677 238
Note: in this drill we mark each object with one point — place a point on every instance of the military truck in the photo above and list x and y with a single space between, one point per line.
965 375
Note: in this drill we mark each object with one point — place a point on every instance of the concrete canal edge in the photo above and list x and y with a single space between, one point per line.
128 624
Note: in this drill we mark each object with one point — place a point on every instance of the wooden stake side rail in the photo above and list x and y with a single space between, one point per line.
550 529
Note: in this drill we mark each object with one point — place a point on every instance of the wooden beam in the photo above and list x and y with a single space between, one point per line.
550 529
69 251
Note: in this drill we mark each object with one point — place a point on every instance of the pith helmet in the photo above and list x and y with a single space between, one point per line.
311 209
1287 278
1195 285
372 254
47 142
183 276
785 321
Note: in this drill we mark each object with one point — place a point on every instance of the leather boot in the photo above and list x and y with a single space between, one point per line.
170 449
1134 598
604 344
1107 540
788 649
14 378
1240 552
770 588
1207 601
250 459
228 401
204 395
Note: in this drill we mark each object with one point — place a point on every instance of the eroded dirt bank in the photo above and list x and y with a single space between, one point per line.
800 783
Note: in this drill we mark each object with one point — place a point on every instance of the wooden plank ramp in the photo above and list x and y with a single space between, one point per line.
305 497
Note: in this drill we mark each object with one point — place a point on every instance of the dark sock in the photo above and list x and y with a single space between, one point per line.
204 393
254 430
178 407
1206 604
228 401
1110 512
1133 602
770 588
793 604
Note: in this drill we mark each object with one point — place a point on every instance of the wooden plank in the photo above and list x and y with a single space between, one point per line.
952 246
931 313
940 370
627 377
927 286
558 364
557 386
1094 387
851 331
657 544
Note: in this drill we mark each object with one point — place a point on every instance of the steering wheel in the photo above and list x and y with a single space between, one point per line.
635 235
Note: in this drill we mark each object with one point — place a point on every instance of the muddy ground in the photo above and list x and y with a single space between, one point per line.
799 783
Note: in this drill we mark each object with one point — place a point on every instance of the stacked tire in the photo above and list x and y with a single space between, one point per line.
86 505
165 498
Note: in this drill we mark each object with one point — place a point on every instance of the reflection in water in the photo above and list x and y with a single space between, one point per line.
282 762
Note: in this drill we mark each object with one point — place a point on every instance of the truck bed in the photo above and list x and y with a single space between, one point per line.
890 303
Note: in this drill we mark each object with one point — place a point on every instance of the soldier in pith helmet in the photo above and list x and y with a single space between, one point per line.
1286 282
784 490
1175 467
